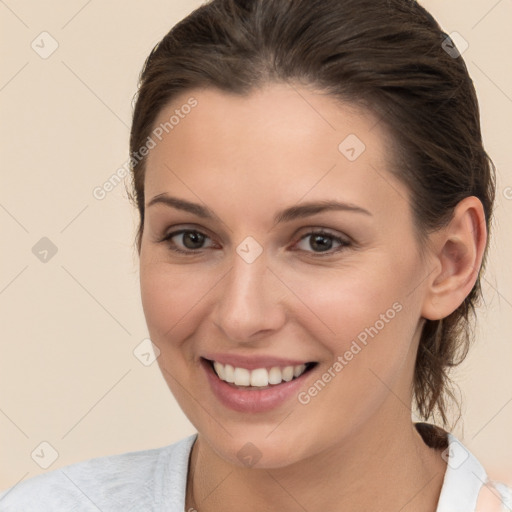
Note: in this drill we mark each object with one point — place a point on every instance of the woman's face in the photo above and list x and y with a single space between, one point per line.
298 249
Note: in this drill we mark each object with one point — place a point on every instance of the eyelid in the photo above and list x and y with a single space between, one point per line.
168 235
178 229
315 230
344 241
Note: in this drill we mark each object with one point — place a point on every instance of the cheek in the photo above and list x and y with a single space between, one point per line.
340 304
364 314
171 297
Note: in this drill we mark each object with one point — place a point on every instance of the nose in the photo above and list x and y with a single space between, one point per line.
250 301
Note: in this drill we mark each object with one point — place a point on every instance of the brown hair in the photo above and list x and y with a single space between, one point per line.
388 55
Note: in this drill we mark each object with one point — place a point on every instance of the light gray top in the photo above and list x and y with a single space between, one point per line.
155 481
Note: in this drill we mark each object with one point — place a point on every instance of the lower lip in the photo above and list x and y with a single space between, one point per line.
252 400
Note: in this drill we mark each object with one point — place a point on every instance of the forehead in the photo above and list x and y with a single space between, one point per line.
279 142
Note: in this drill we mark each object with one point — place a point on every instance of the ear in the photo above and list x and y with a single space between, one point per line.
456 256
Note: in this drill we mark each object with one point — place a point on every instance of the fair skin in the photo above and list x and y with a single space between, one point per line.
353 446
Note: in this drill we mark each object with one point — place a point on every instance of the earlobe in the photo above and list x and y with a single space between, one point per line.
457 255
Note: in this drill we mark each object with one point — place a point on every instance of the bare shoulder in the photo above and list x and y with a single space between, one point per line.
494 496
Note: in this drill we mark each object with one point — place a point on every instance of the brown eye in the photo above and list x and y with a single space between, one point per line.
321 242
192 239
186 240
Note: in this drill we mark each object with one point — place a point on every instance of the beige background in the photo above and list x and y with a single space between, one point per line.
69 328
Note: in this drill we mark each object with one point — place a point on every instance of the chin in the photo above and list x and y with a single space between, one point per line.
258 447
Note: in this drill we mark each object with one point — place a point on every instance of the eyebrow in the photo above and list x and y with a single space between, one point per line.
286 215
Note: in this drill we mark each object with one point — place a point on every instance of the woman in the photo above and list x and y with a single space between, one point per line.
315 203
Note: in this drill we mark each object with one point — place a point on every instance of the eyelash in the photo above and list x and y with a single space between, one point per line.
344 244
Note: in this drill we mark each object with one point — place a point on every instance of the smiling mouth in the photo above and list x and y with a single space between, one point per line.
259 378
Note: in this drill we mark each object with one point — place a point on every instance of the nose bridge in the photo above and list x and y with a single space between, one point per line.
247 304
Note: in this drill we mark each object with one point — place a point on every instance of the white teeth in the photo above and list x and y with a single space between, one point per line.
261 377
299 370
229 373
242 377
288 373
275 375
219 368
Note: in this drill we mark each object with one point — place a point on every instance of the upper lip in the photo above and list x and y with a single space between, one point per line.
254 362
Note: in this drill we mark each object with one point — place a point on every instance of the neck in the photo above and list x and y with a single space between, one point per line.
385 463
